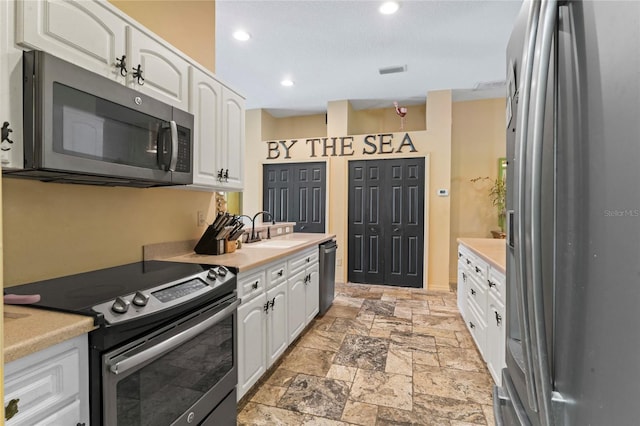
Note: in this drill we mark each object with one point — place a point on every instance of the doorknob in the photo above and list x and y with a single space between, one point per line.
396 229
372 229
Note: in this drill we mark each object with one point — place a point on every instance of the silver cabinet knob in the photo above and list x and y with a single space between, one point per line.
120 305
140 299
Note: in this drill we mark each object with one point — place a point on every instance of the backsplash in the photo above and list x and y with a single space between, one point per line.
52 230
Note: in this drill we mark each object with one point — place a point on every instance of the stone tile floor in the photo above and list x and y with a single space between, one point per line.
380 356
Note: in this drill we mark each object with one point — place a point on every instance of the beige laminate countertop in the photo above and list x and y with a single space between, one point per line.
492 250
252 255
29 330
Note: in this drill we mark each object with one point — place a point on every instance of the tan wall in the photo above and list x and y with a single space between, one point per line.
55 229
433 144
188 25
306 126
478 140
385 120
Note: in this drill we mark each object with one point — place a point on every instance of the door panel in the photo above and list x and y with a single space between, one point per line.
386 222
296 192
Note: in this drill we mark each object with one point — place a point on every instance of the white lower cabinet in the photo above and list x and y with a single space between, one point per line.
50 387
481 293
277 336
277 304
496 337
252 343
303 291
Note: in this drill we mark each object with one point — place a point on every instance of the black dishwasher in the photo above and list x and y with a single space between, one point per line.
327 274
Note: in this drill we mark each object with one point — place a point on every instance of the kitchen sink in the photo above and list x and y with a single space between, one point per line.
280 244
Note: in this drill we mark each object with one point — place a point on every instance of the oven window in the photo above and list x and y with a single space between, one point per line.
162 391
90 127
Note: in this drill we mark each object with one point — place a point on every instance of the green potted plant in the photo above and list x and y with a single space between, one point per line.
497 195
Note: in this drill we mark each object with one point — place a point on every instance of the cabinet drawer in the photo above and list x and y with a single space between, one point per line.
496 281
276 274
477 295
478 329
302 260
42 382
67 415
251 285
479 269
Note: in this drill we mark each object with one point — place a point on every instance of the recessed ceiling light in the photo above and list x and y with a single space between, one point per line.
287 82
389 7
241 35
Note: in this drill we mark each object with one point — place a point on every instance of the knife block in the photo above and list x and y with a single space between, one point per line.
208 244
230 246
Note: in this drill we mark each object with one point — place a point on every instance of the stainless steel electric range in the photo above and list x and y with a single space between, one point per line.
164 352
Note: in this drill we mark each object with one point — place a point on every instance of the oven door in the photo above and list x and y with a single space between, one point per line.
176 375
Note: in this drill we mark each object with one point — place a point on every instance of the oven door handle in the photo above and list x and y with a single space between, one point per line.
173 342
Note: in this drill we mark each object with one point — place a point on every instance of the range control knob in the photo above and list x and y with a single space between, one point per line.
211 274
222 271
140 299
120 306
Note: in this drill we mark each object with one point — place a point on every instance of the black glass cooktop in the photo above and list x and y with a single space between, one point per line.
78 293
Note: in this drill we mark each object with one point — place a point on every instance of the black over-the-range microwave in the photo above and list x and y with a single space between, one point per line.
80 127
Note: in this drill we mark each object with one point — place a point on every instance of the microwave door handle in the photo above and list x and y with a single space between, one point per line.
160 147
174 146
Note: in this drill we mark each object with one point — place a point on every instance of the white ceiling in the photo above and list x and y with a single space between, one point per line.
332 50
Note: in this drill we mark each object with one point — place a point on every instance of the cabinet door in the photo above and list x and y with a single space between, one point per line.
251 343
67 415
461 291
51 386
277 336
231 148
85 33
205 101
496 339
297 300
312 296
166 75
11 155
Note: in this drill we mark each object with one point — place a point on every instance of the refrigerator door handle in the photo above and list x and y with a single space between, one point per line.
542 374
520 228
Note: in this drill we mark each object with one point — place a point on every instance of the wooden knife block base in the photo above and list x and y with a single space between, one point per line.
230 246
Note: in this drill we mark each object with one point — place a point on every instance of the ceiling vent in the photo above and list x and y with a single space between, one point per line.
489 85
392 70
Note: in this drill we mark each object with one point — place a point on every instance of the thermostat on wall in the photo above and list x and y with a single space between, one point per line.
443 192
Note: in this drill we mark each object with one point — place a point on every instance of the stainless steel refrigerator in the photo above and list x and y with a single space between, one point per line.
573 201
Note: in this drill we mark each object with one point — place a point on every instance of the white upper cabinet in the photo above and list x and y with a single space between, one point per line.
97 36
219 134
206 105
85 33
165 75
11 154
231 148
